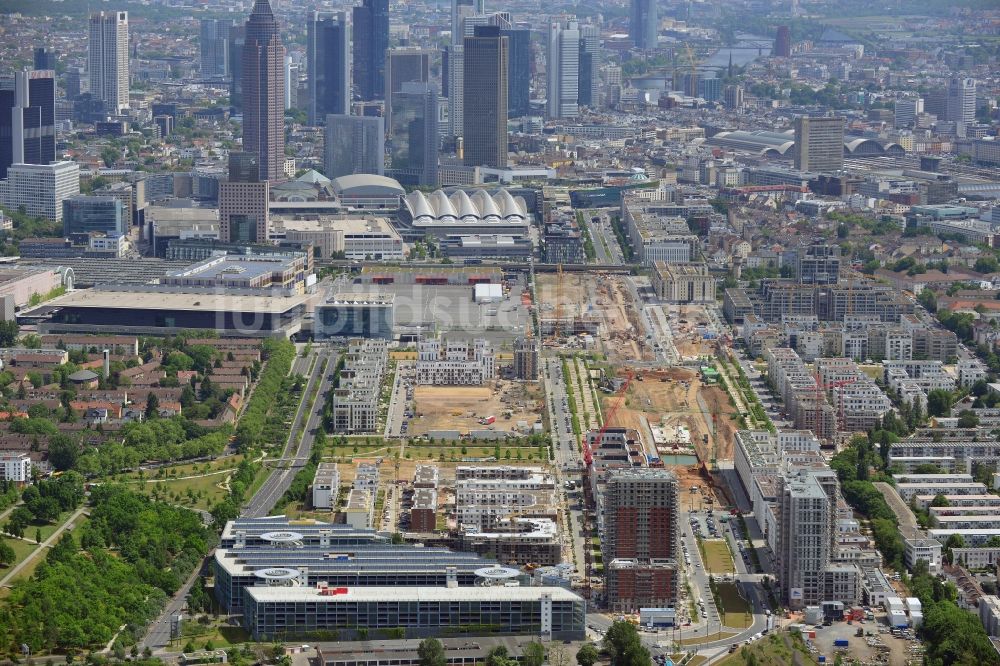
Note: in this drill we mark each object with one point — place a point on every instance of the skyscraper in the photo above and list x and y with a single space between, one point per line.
237 37
455 78
590 43
485 98
518 72
45 58
459 10
213 46
354 144
644 24
807 516
243 201
414 142
640 541
27 119
371 39
563 69
961 104
264 92
783 42
107 58
403 66
906 112
328 57
819 143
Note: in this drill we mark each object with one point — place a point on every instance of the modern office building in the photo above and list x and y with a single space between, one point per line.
213 47
640 538
328 64
264 92
590 44
27 119
460 9
354 145
83 215
518 72
371 40
40 188
961 100
402 66
485 98
108 58
45 58
906 112
453 85
414 135
819 143
237 38
644 24
349 315
563 69
783 42
243 201
553 613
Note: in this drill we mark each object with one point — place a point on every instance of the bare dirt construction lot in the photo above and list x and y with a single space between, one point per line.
684 326
670 397
460 407
604 297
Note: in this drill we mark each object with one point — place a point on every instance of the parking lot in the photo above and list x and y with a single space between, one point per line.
877 644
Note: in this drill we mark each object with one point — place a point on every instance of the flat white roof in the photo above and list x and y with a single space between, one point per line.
368 594
166 300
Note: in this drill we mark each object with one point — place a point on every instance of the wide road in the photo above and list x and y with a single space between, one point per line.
285 469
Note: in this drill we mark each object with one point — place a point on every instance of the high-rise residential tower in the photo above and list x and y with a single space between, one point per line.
371 39
27 119
107 58
485 98
328 59
404 65
213 47
640 541
807 519
819 143
354 144
264 92
644 24
563 69
414 142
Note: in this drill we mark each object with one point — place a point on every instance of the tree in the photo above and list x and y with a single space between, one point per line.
967 419
110 155
534 654
498 657
928 299
939 402
152 406
7 555
430 652
63 452
940 500
8 333
587 655
622 642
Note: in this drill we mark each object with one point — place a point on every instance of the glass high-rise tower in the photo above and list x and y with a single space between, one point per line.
264 91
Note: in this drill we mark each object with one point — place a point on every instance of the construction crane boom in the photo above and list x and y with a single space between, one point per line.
588 455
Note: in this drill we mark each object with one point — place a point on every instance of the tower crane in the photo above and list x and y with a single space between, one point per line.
588 455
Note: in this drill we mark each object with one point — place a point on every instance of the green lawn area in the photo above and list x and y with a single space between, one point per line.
735 611
186 469
37 555
221 635
718 559
21 550
205 489
507 454
776 649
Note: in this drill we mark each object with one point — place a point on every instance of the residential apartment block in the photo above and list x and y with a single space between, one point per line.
355 400
453 362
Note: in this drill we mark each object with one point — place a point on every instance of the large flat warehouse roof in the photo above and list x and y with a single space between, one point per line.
167 300
431 594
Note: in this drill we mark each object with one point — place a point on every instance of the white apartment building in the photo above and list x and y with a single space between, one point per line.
455 362
366 477
15 467
40 188
481 501
326 485
806 517
355 401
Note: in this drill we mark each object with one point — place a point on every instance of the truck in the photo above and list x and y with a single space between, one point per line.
488 420
840 642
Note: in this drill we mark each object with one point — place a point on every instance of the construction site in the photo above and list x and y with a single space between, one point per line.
501 406
591 310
